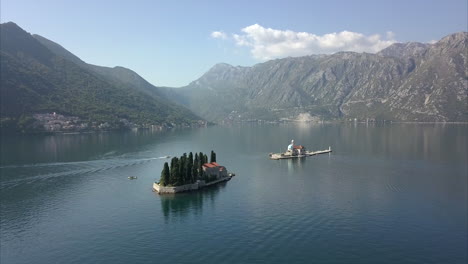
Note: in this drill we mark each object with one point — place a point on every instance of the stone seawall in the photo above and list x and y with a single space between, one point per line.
187 187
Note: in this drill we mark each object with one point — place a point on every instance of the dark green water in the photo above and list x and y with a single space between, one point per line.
387 194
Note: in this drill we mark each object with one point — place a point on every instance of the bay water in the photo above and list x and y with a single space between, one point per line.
388 193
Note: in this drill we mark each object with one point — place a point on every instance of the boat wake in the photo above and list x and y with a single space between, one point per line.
14 175
52 164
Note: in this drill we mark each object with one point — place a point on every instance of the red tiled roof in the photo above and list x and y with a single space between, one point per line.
299 147
209 165
212 165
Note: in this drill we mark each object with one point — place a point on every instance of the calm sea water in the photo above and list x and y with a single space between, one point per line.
387 194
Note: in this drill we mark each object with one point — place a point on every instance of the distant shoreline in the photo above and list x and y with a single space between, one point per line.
71 132
10 133
347 122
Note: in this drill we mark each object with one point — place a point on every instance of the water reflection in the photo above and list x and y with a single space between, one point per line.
182 204
295 165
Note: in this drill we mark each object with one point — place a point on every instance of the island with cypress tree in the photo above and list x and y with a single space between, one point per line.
191 172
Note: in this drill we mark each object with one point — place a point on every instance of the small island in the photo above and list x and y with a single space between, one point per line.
189 173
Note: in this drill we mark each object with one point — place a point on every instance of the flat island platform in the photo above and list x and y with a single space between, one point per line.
301 154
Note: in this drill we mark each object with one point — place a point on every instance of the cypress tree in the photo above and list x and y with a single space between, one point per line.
190 158
190 168
194 173
200 156
196 165
205 158
174 178
184 169
200 164
188 173
165 175
182 166
170 173
162 178
213 156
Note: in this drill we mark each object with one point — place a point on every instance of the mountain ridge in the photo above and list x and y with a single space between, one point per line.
404 82
35 80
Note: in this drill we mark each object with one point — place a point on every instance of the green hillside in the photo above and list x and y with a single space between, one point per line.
35 80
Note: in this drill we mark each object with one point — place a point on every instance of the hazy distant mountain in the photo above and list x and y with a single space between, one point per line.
406 82
38 78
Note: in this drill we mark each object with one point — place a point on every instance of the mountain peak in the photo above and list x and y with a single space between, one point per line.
14 39
11 25
12 28
221 66
454 38
401 50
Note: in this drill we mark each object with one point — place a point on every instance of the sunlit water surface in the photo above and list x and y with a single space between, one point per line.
387 194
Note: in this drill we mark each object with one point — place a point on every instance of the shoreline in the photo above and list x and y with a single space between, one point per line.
79 132
200 184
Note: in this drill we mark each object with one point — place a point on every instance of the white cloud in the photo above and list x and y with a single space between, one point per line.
268 43
218 34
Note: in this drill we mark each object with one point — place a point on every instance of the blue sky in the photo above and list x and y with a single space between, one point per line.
171 43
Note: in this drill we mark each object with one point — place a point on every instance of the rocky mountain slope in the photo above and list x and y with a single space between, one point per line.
404 82
42 79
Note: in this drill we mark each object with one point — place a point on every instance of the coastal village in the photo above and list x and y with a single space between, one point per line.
54 122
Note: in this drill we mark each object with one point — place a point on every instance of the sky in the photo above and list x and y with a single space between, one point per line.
171 43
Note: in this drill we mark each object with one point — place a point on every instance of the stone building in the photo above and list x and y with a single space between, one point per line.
214 168
295 149
299 150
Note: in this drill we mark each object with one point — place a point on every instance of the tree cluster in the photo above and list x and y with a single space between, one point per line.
186 169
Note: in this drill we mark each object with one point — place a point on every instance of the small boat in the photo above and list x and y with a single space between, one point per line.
132 177
231 174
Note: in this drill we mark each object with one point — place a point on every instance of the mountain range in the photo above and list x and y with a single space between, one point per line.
403 82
